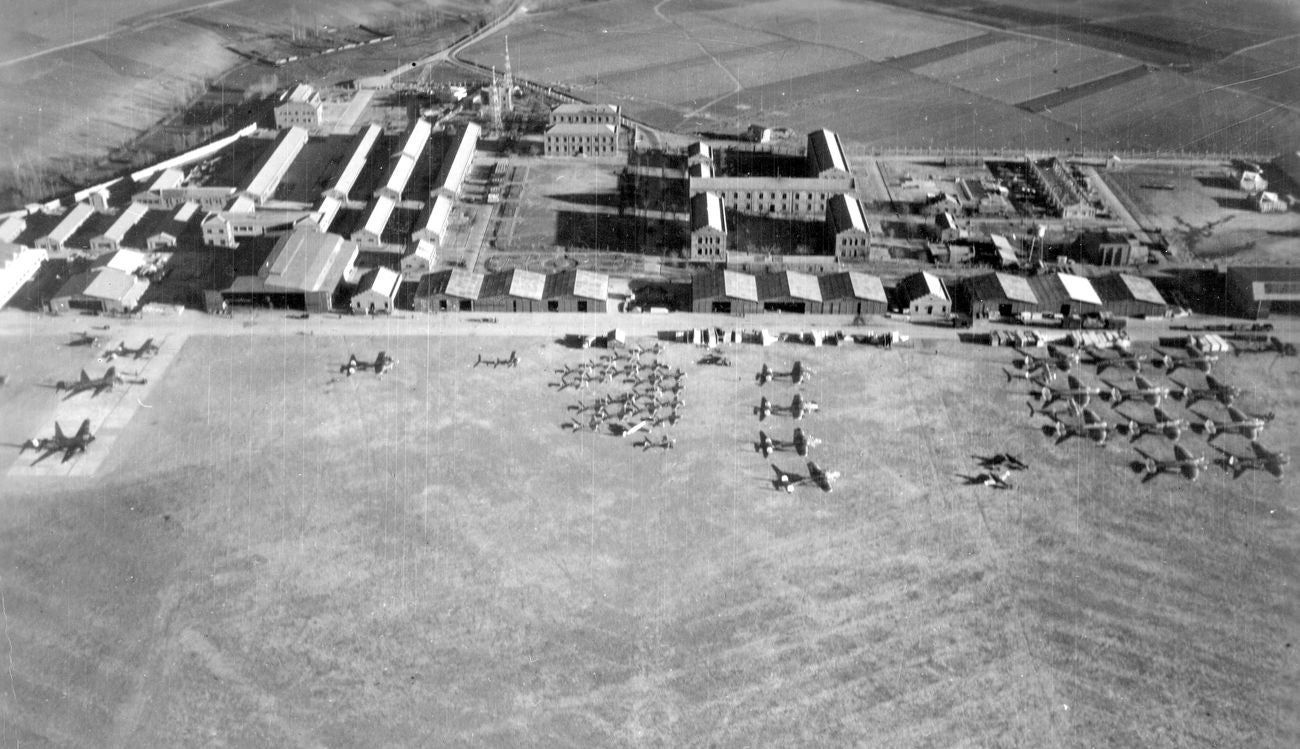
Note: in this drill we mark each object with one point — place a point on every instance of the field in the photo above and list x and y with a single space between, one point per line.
272 554
889 77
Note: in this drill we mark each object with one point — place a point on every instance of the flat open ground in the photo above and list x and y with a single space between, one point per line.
272 554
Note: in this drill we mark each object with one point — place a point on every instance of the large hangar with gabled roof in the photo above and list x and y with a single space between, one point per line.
513 290
924 294
789 291
303 272
853 293
453 290
1127 295
724 292
1065 293
998 295
576 291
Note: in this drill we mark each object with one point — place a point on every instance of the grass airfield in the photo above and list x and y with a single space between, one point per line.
276 555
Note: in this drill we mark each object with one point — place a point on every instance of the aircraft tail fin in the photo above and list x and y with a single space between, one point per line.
84 377
84 431
58 432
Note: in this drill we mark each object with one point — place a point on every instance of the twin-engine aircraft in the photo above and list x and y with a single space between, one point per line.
108 381
800 444
381 366
60 442
798 374
787 481
1183 462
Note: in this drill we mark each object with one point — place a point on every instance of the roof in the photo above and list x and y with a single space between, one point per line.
1001 286
71 222
126 261
515 282
751 184
115 285
700 170
300 93
1006 253
381 281
167 179
707 213
826 152
128 218
270 170
424 249
846 213
453 174
76 285
578 128
791 284
455 282
416 137
724 283
852 285
326 211
1269 282
380 211
10 252
185 212
700 149
1078 288
11 227
1138 288
437 214
308 261
580 108
399 176
945 220
578 283
920 284
347 176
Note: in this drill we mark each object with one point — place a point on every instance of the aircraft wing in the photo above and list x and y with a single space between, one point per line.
1181 453
1236 414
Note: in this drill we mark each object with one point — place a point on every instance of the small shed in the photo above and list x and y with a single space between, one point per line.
789 291
852 293
453 290
724 292
1130 296
924 293
376 292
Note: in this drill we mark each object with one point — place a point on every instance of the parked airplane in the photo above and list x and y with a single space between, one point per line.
60 442
1038 375
787 481
1262 459
1055 414
798 374
763 409
1193 359
716 359
1183 462
1124 357
84 338
799 407
1006 461
108 381
1161 423
664 444
1076 392
1064 359
512 361
148 348
800 444
1239 422
991 479
1144 390
1213 390
1093 427
382 364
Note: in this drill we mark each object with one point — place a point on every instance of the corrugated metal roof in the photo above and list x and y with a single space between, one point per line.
724 283
852 285
112 284
707 212
514 282
1141 289
308 261
789 284
1078 288
455 282
579 283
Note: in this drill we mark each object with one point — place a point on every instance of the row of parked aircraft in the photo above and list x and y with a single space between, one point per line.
800 442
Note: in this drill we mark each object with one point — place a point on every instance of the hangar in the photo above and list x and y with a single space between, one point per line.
1065 293
576 291
725 292
923 294
853 293
302 272
104 289
376 292
1130 296
789 291
452 290
998 295
1255 292
513 290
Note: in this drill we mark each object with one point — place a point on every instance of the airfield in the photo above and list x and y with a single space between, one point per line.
272 553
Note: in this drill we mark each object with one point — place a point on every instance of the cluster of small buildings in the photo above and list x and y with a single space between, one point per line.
1053 179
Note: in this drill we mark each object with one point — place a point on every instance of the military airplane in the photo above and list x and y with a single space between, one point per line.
1161 423
1123 357
1093 427
764 408
666 443
1064 359
511 361
1183 462
148 348
1055 414
715 359
1076 392
1239 422
798 407
381 366
1261 459
1005 461
1213 390
1193 359
60 442
84 338
787 481
1144 390
108 381
800 444
1039 374
992 479
798 374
